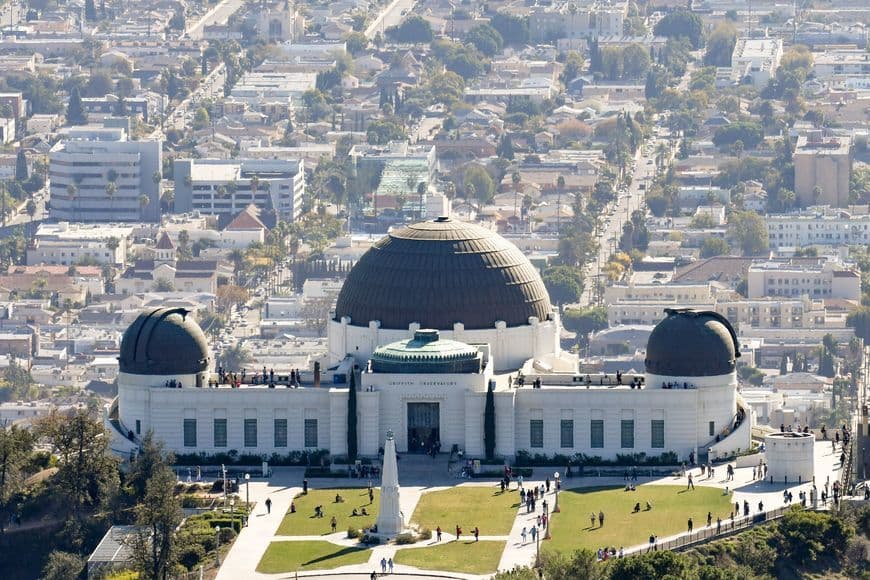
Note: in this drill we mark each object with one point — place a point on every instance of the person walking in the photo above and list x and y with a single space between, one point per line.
652 540
601 519
390 565
691 484
592 520
691 525
523 535
334 523
719 525
458 532
383 565
268 505
476 534
534 532
709 519
438 533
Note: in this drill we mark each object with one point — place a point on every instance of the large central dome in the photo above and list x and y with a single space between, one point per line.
441 272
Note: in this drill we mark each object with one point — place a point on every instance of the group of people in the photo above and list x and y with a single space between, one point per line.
172 384
610 552
675 385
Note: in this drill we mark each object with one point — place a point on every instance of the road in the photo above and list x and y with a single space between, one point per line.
615 216
391 15
217 15
181 116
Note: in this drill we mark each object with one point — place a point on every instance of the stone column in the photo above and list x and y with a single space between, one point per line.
390 517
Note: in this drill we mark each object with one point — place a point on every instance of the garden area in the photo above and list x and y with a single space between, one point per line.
289 556
468 557
672 506
488 508
304 522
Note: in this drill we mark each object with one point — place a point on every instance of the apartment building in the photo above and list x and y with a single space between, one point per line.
226 187
823 279
98 175
756 59
577 20
819 226
822 169
67 244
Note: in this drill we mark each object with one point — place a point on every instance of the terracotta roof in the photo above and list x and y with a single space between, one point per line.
165 242
246 220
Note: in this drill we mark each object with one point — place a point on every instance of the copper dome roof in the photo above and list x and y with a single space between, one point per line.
164 341
441 272
692 343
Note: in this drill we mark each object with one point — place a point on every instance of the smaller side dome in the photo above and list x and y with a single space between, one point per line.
164 341
692 343
426 353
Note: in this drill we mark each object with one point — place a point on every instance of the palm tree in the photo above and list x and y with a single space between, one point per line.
111 190
421 191
72 195
516 179
143 203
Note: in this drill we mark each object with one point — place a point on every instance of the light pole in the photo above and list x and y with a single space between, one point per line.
233 506
556 502
217 552
247 495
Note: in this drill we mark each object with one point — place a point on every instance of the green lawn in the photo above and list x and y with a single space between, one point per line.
488 508
303 522
462 556
672 507
287 556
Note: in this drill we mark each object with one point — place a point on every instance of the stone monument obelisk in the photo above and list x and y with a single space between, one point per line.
390 516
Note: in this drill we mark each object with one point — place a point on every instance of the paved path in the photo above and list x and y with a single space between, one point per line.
421 475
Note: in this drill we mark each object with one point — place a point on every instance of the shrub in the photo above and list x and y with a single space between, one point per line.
405 538
425 534
370 540
189 555
353 533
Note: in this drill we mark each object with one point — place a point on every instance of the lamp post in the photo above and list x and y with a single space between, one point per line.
556 501
233 506
217 552
247 495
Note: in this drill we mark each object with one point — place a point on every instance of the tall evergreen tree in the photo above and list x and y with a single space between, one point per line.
783 364
21 171
352 443
489 424
90 11
75 111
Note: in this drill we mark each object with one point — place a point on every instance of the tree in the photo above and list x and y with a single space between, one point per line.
382 132
357 43
99 84
478 177
783 364
234 357
90 11
163 285
563 283
635 61
87 475
414 29
153 547
15 447
859 319
750 134
713 246
352 441
513 29
682 24
747 230
720 45
75 112
201 118
230 295
573 67
62 566
486 39
22 173
489 423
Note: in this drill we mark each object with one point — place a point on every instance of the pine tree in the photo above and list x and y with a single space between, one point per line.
75 112
90 11
203 65
783 364
21 171
489 424
352 443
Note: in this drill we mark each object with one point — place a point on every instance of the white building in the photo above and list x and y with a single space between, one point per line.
819 226
98 175
227 187
433 316
66 244
757 59
825 279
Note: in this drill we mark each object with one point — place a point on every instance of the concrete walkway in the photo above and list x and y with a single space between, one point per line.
419 475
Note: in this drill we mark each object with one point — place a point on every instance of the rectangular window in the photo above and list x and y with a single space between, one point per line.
190 432
311 432
596 434
657 428
138 427
280 432
567 433
250 432
220 432
627 434
536 433
712 428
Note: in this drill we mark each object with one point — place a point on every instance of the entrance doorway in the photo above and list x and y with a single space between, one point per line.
424 420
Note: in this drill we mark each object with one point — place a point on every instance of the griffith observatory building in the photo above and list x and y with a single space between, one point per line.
430 318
